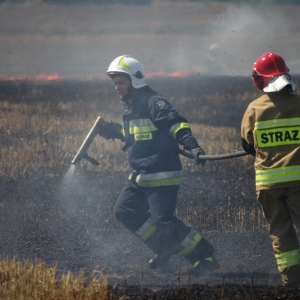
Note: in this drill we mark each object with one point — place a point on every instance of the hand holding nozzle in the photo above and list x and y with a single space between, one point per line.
82 152
109 130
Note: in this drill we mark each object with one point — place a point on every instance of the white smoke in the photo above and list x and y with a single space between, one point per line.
79 41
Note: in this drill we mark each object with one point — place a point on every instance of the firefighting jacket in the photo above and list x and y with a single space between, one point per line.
270 130
153 130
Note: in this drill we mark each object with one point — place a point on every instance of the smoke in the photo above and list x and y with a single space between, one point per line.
235 39
79 42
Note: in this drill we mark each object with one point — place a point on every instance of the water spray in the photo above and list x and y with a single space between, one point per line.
82 152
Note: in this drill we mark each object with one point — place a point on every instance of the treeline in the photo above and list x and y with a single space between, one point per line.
149 2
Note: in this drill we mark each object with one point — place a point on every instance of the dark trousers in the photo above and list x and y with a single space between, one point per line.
135 205
282 211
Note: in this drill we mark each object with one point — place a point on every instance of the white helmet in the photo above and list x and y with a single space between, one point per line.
130 66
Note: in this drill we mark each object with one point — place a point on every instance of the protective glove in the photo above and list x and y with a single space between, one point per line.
195 153
191 145
111 130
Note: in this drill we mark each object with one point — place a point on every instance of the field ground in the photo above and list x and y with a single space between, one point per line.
60 214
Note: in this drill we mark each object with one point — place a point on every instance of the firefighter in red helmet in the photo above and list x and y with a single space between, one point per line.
152 131
270 131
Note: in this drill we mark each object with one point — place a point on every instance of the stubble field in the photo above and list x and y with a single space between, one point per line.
61 215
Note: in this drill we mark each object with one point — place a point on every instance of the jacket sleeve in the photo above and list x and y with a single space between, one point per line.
165 116
247 128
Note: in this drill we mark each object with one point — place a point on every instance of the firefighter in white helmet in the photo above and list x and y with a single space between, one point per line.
152 131
270 131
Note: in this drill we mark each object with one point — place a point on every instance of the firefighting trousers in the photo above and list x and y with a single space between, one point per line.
282 211
149 214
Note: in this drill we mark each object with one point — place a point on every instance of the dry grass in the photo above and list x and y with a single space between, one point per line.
42 127
38 281
42 131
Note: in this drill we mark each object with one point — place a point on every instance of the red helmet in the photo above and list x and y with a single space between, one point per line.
266 67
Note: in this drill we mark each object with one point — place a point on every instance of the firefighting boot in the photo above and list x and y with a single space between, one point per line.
160 259
168 239
291 276
204 267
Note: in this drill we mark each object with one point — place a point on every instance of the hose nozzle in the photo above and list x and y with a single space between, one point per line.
82 152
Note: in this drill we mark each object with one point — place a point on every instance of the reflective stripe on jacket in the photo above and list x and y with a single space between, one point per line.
277 132
159 179
277 175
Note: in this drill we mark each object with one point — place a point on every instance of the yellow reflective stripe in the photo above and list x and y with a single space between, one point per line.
141 126
148 233
159 179
288 259
277 123
196 264
276 175
186 241
143 136
190 242
209 259
176 127
278 136
123 64
142 129
161 182
146 230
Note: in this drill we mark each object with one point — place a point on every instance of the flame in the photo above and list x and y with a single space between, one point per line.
40 77
56 77
46 77
183 73
19 77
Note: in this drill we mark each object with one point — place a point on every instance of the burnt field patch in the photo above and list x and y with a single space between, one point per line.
63 215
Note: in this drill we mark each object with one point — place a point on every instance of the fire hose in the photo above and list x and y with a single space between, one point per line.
101 123
216 156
